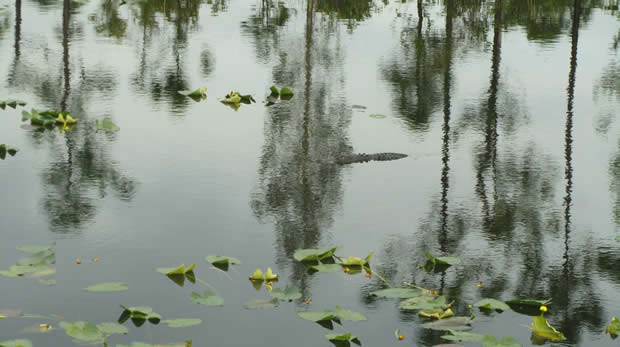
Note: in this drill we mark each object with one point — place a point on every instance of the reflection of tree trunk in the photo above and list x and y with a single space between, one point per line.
490 153
66 13
568 145
445 149
18 37
420 16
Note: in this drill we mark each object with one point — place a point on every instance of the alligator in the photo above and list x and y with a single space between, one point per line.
363 157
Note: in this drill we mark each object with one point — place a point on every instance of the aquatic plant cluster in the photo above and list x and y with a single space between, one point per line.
430 304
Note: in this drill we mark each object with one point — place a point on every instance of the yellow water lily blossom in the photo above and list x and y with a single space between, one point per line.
543 308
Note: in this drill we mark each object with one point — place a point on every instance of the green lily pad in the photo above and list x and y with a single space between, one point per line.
200 92
182 322
314 255
463 336
529 302
427 303
83 331
356 261
377 116
11 273
106 125
347 315
318 316
343 338
507 341
492 304
542 328
443 260
261 303
218 259
138 315
16 343
4 149
209 299
617 238
34 249
397 293
326 267
274 91
112 328
11 103
289 293
614 327
11 313
454 323
108 287
180 270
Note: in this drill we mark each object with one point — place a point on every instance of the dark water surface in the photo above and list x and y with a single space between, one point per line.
508 110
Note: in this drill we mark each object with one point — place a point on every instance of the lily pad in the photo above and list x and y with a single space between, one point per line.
34 249
507 341
11 103
443 260
529 302
10 313
197 95
347 315
326 267
326 315
617 238
182 322
463 336
356 261
343 338
138 315
454 323
613 328
112 328
180 270
83 331
4 149
425 303
397 293
377 116
218 259
106 125
314 255
436 314
16 343
209 299
289 293
542 328
108 287
492 304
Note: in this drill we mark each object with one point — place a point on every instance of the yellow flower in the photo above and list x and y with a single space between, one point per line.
543 308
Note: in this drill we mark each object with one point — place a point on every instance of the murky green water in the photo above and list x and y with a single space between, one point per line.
508 111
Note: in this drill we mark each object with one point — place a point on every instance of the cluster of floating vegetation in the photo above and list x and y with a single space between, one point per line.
429 304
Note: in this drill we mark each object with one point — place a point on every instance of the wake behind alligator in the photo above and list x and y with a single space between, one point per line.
363 157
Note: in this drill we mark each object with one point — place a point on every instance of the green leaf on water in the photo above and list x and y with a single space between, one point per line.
274 91
180 270
492 304
617 238
614 327
182 322
289 293
106 125
463 336
326 267
16 343
187 343
454 323
112 328
108 287
397 293
443 260
314 255
318 316
347 315
218 259
261 303
209 299
542 328
4 149
507 341
270 276
200 92
529 302
34 249
377 116
357 261
427 303
83 331
11 103
11 273
138 315
343 338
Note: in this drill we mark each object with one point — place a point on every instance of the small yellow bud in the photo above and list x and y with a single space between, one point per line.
543 308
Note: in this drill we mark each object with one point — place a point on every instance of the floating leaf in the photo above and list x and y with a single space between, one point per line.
218 259
314 255
436 314
507 341
274 91
270 276
326 267
112 328
83 331
12 272
613 328
617 238
34 249
542 328
106 125
463 336
209 299
289 293
443 260
182 323
11 103
425 303
16 343
108 287
49 283
11 312
492 304
144 344
200 92
398 293
377 116
138 315
257 275
356 261
454 323
262 303
347 315
318 316
180 270
343 338
529 302
4 149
